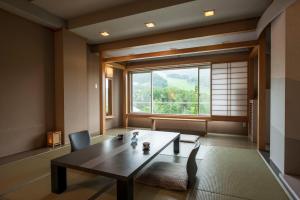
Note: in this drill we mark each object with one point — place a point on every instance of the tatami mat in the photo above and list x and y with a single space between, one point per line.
19 173
238 172
223 173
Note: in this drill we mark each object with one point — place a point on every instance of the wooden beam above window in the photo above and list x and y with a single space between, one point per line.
203 31
211 48
173 62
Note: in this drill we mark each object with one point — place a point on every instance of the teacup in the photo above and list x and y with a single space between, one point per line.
120 136
146 146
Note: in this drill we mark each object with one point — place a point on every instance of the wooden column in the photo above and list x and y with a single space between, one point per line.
102 94
251 65
59 83
125 98
262 83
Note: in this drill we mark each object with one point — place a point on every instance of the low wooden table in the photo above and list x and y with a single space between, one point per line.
154 119
114 158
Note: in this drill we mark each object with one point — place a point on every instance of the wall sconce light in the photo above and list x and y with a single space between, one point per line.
109 72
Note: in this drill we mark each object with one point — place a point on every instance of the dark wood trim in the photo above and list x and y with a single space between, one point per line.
116 66
254 51
125 98
110 86
252 57
210 48
102 94
251 65
174 62
262 84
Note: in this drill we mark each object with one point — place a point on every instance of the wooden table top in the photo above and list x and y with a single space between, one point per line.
117 158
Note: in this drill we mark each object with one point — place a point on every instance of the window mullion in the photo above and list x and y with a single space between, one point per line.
198 91
210 89
151 92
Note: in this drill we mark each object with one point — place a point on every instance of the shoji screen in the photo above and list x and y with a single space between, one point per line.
229 89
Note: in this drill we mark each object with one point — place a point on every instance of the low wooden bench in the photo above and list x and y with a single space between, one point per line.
154 119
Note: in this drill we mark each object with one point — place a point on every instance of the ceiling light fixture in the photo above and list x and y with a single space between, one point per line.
209 13
150 24
104 34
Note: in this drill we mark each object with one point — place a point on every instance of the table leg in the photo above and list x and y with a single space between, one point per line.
176 145
58 179
125 189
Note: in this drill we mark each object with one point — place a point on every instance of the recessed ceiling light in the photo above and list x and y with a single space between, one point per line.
104 34
150 24
209 13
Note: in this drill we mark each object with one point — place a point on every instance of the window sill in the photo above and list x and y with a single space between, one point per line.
169 115
206 117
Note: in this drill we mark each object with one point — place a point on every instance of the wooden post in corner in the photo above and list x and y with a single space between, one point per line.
102 94
262 83
125 98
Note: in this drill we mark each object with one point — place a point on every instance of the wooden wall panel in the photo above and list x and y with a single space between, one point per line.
102 94
262 83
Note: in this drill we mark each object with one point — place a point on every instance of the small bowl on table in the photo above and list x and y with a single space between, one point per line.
120 136
146 146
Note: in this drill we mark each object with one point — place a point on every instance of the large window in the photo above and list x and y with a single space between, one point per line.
204 90
172 91
217 90
175 91
141 92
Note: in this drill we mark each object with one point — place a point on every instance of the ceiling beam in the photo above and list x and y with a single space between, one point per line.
124 10
171 62
116 65
210 48
26 9
211 30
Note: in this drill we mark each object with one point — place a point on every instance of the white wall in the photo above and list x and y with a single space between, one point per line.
277 124
285 88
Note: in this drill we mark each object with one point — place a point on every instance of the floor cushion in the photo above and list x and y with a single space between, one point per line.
166 175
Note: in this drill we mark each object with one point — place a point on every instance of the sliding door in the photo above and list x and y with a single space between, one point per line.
229 89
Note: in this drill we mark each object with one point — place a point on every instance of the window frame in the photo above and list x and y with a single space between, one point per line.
198 66
109 95
131 89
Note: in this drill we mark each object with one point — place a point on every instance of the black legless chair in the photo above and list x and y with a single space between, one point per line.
191 166
172 176
79 140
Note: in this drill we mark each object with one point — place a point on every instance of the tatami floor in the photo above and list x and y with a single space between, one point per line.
229 167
